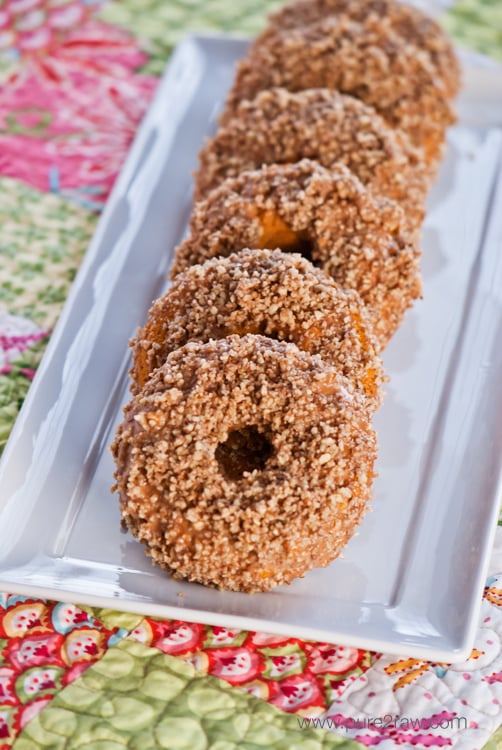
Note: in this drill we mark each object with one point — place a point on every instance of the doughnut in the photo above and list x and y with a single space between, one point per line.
356 238
368 60
243 463
326 126
279 295
408 22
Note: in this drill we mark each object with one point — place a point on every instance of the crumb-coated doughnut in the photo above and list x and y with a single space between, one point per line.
358 239
409 22
243 463
280 127
368 61
279 295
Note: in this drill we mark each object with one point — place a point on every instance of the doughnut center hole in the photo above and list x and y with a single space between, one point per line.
277 234
263 329
246 449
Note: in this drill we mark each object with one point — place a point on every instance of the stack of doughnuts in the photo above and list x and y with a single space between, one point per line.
246 454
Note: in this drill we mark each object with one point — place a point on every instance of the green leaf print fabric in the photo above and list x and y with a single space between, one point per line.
160 25
139 698
476 24
42 242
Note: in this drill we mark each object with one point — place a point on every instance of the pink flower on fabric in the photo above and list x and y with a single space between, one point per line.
74 672
299 691
32 709
33 26
35 651
177 637
7 692
235 665
334 659
492 678
67 119
224 635
16 336
268 639
417 732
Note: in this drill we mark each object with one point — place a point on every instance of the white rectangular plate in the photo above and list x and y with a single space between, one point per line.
411 581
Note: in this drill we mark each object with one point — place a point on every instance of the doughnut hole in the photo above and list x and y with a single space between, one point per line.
257 328
245 450
275 233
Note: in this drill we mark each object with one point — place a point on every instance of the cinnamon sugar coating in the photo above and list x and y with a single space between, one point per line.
279 295
405 20
369 61
356 238
244 463
281 127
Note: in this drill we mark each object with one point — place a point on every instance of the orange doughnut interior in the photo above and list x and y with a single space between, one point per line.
369 379
154 332
275 233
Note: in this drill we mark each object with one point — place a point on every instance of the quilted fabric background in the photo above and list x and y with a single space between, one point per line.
76 78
